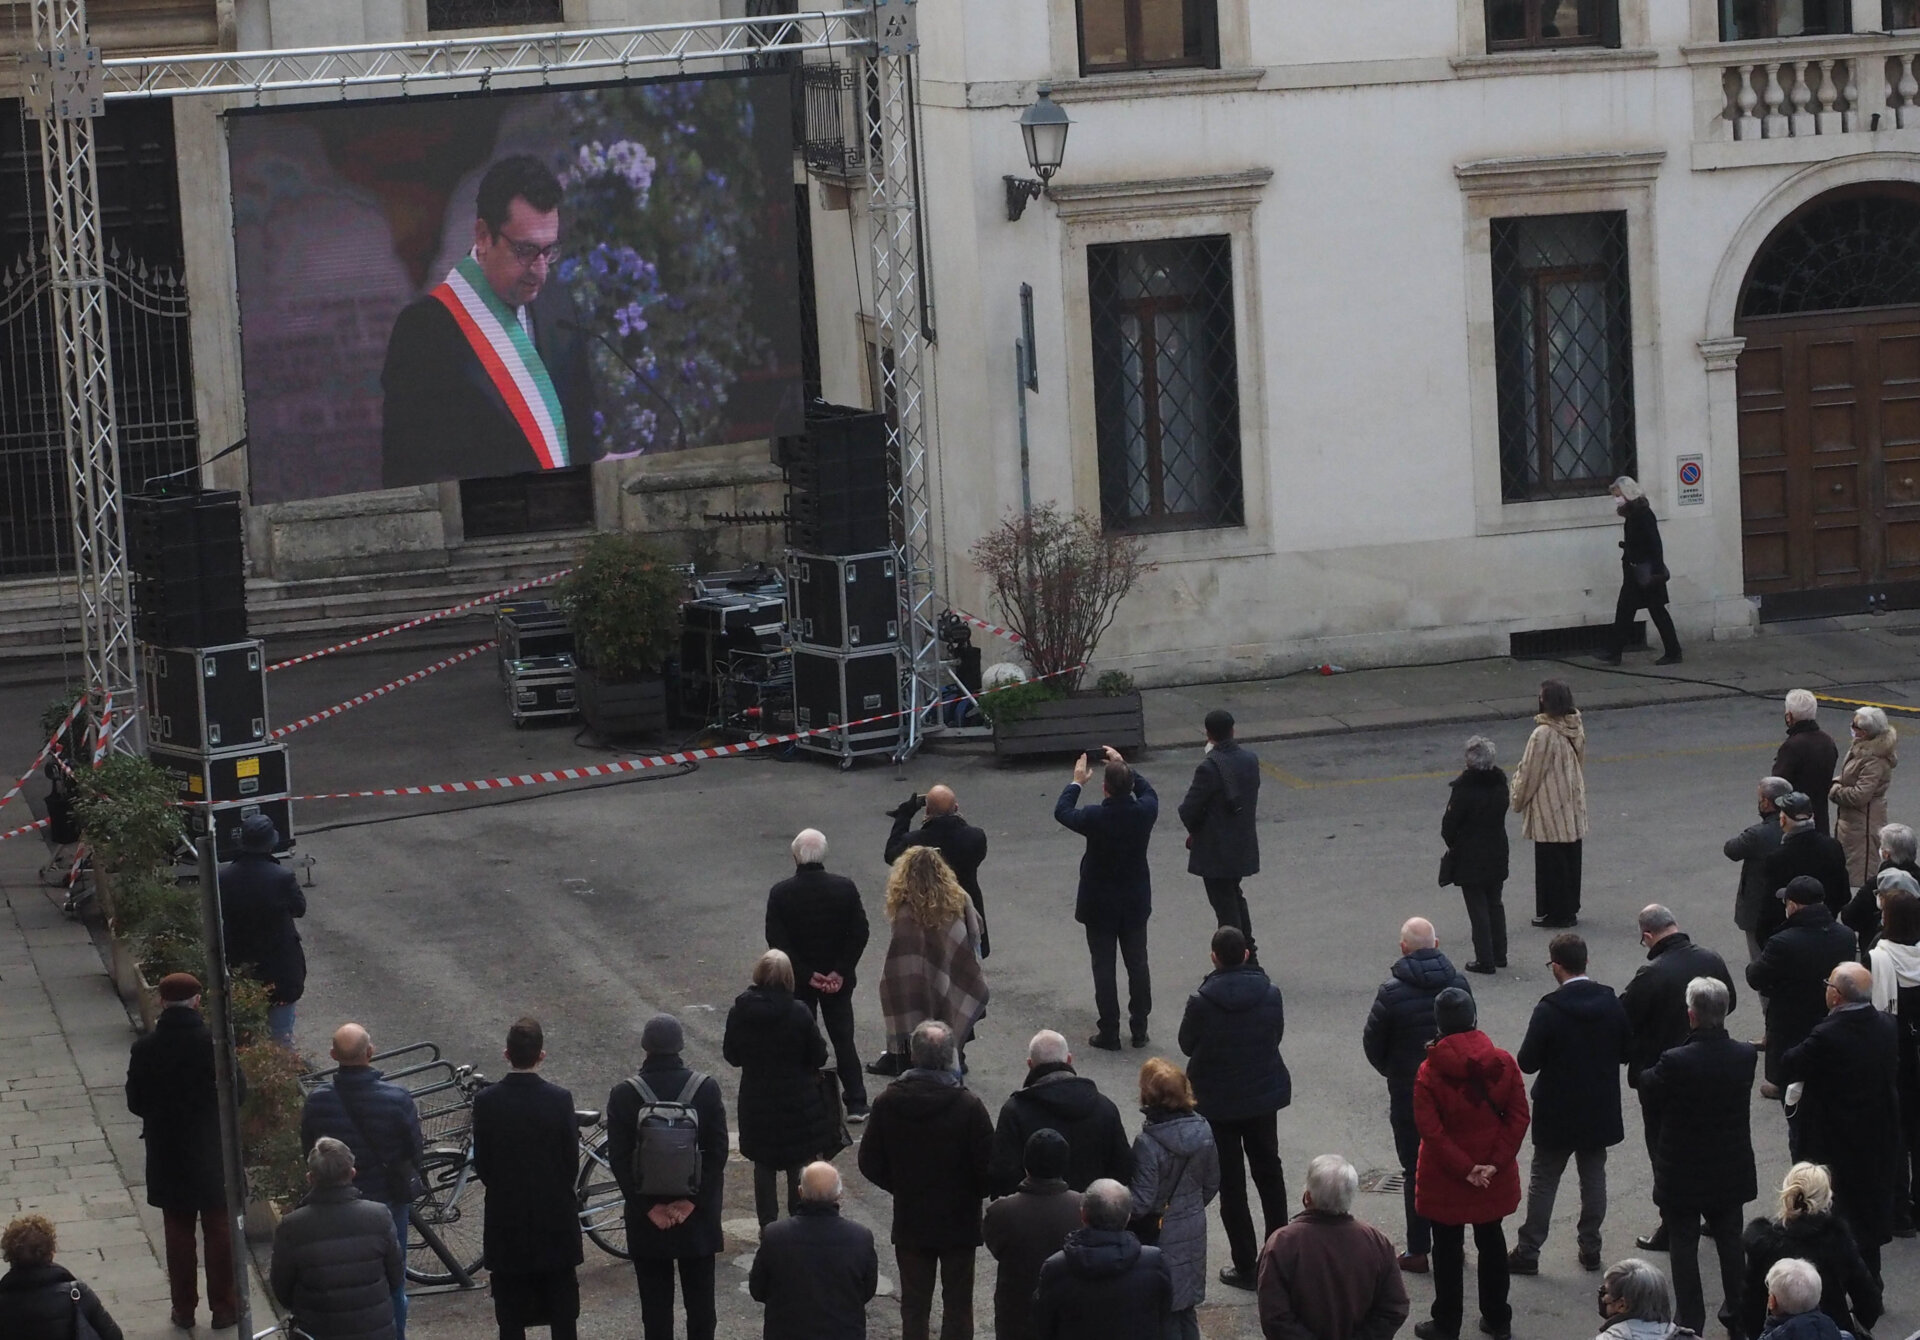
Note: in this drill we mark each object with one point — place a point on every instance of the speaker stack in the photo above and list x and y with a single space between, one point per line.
203 680
843 583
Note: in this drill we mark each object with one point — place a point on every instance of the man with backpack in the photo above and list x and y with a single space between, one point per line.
667 1142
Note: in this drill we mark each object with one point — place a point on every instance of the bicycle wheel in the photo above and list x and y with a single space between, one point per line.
603 1209
452 1208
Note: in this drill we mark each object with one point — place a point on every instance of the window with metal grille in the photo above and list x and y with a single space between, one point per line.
1520 25
1166 384
445 14
1563 354
1743 20
1858 246
1148 35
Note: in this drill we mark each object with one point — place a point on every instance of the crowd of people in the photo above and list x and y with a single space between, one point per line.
1100 1236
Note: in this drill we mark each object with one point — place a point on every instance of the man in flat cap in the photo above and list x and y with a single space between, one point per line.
1804 850
1792 969
170 1088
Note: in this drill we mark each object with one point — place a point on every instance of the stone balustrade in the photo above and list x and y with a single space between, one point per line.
1821 86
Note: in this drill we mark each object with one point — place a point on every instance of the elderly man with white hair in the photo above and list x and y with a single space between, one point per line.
1328 1275
1807 757
1054 1096
815 1271
1752 846
1793 1303
1103 1284
819 922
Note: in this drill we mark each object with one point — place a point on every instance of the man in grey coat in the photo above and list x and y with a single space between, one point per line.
1751 846
1223 844
1022 1230
336 1264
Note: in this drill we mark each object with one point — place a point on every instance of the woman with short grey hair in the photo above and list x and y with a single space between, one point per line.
1474 828
1636 1301
1859 793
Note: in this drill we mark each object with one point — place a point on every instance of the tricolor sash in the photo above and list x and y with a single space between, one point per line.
506 351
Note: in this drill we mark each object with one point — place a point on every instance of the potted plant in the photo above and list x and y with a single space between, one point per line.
128 819
623 605
1057 580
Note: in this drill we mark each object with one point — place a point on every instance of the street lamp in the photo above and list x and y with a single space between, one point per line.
1044 127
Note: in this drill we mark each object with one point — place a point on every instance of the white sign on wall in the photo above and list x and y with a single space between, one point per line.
1692 479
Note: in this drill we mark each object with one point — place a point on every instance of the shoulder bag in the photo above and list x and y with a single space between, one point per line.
1146 1227
402 1174
82 1328
837 1137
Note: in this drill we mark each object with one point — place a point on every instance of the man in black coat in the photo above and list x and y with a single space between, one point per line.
1056 1097
1656 1005
963 846
1022 1230
1576 1042
336 1267
1804 850
814 1270
1849 1114
1753 846
1231 1035
819 922
526 1148
1792 969
1115 896
1398 1029
1219 813
1700 1095
668 1230
928 1144
170 1088
1103 1285
1807 757
259 900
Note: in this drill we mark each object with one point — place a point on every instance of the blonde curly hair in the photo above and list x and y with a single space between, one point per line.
1807 1189
922 882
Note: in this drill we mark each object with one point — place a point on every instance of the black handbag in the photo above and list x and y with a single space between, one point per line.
837 1136
1449 868
1646 572
82 1328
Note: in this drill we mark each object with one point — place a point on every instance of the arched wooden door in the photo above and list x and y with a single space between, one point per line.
1829 404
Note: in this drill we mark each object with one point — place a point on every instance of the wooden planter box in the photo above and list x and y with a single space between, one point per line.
617 709
1073 725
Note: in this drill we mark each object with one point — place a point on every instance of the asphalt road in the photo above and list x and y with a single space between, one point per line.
593 907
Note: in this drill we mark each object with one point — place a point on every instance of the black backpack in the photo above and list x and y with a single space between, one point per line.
666 1147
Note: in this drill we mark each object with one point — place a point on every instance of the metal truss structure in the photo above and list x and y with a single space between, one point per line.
67 84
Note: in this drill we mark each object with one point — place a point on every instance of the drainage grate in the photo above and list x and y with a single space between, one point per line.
1386 1181
1540 643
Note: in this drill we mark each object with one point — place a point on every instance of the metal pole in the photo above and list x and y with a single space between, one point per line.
226 1070
1020 376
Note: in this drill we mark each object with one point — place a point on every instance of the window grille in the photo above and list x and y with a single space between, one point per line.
1846 250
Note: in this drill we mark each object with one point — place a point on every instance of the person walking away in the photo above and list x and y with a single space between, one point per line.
1807 757
1103 1284
1471 1105
1792 969
1806 1227
1474 828
38 1299
815 1271
818 921
1804 850
1056 1097
170 1087
1753 846
1022 1230
1115 897
1176 1172
526 1149
1576 1042
259 902
1231 1036
1700 1094
963 845
379 1123
1636 1302
1550 791
1793 1304
336 1265
772 1038
1895 965
1848 1118
927 1145
932 970
1656 1005
667 1145
1219 813
1643 575
1859 792
1398 1029
1327 1275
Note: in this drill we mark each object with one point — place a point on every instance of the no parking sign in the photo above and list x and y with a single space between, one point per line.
1693 481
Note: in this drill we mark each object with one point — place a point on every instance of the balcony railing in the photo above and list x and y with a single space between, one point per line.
1797 88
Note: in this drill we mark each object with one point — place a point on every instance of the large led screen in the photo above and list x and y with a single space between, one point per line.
458 287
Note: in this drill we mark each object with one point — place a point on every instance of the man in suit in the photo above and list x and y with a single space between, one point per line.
1752 846
1115 897
259 900
818 921
1223 846
1792 969
963 846
484 374
1576 1042
1849 1113
1804 850
526 1148
1807 757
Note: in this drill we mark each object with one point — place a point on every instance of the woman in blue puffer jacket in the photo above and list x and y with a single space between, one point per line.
1176 1172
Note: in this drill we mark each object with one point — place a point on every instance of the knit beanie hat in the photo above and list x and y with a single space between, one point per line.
662 1035
1454 1011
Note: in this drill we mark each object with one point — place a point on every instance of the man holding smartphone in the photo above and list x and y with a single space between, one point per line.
1115 897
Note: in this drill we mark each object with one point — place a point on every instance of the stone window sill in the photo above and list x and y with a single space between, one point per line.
1553 60
1155 84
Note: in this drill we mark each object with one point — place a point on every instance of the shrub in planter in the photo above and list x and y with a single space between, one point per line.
1017 702
270 1121
623 605
127 815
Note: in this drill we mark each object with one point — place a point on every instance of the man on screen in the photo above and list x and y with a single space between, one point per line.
485 374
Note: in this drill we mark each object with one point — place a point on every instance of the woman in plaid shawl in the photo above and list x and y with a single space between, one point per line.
933 962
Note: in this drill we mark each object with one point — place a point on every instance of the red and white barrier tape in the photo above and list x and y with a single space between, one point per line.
627 764
993 628
422 620
103 735
384 689
45 749
18 832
